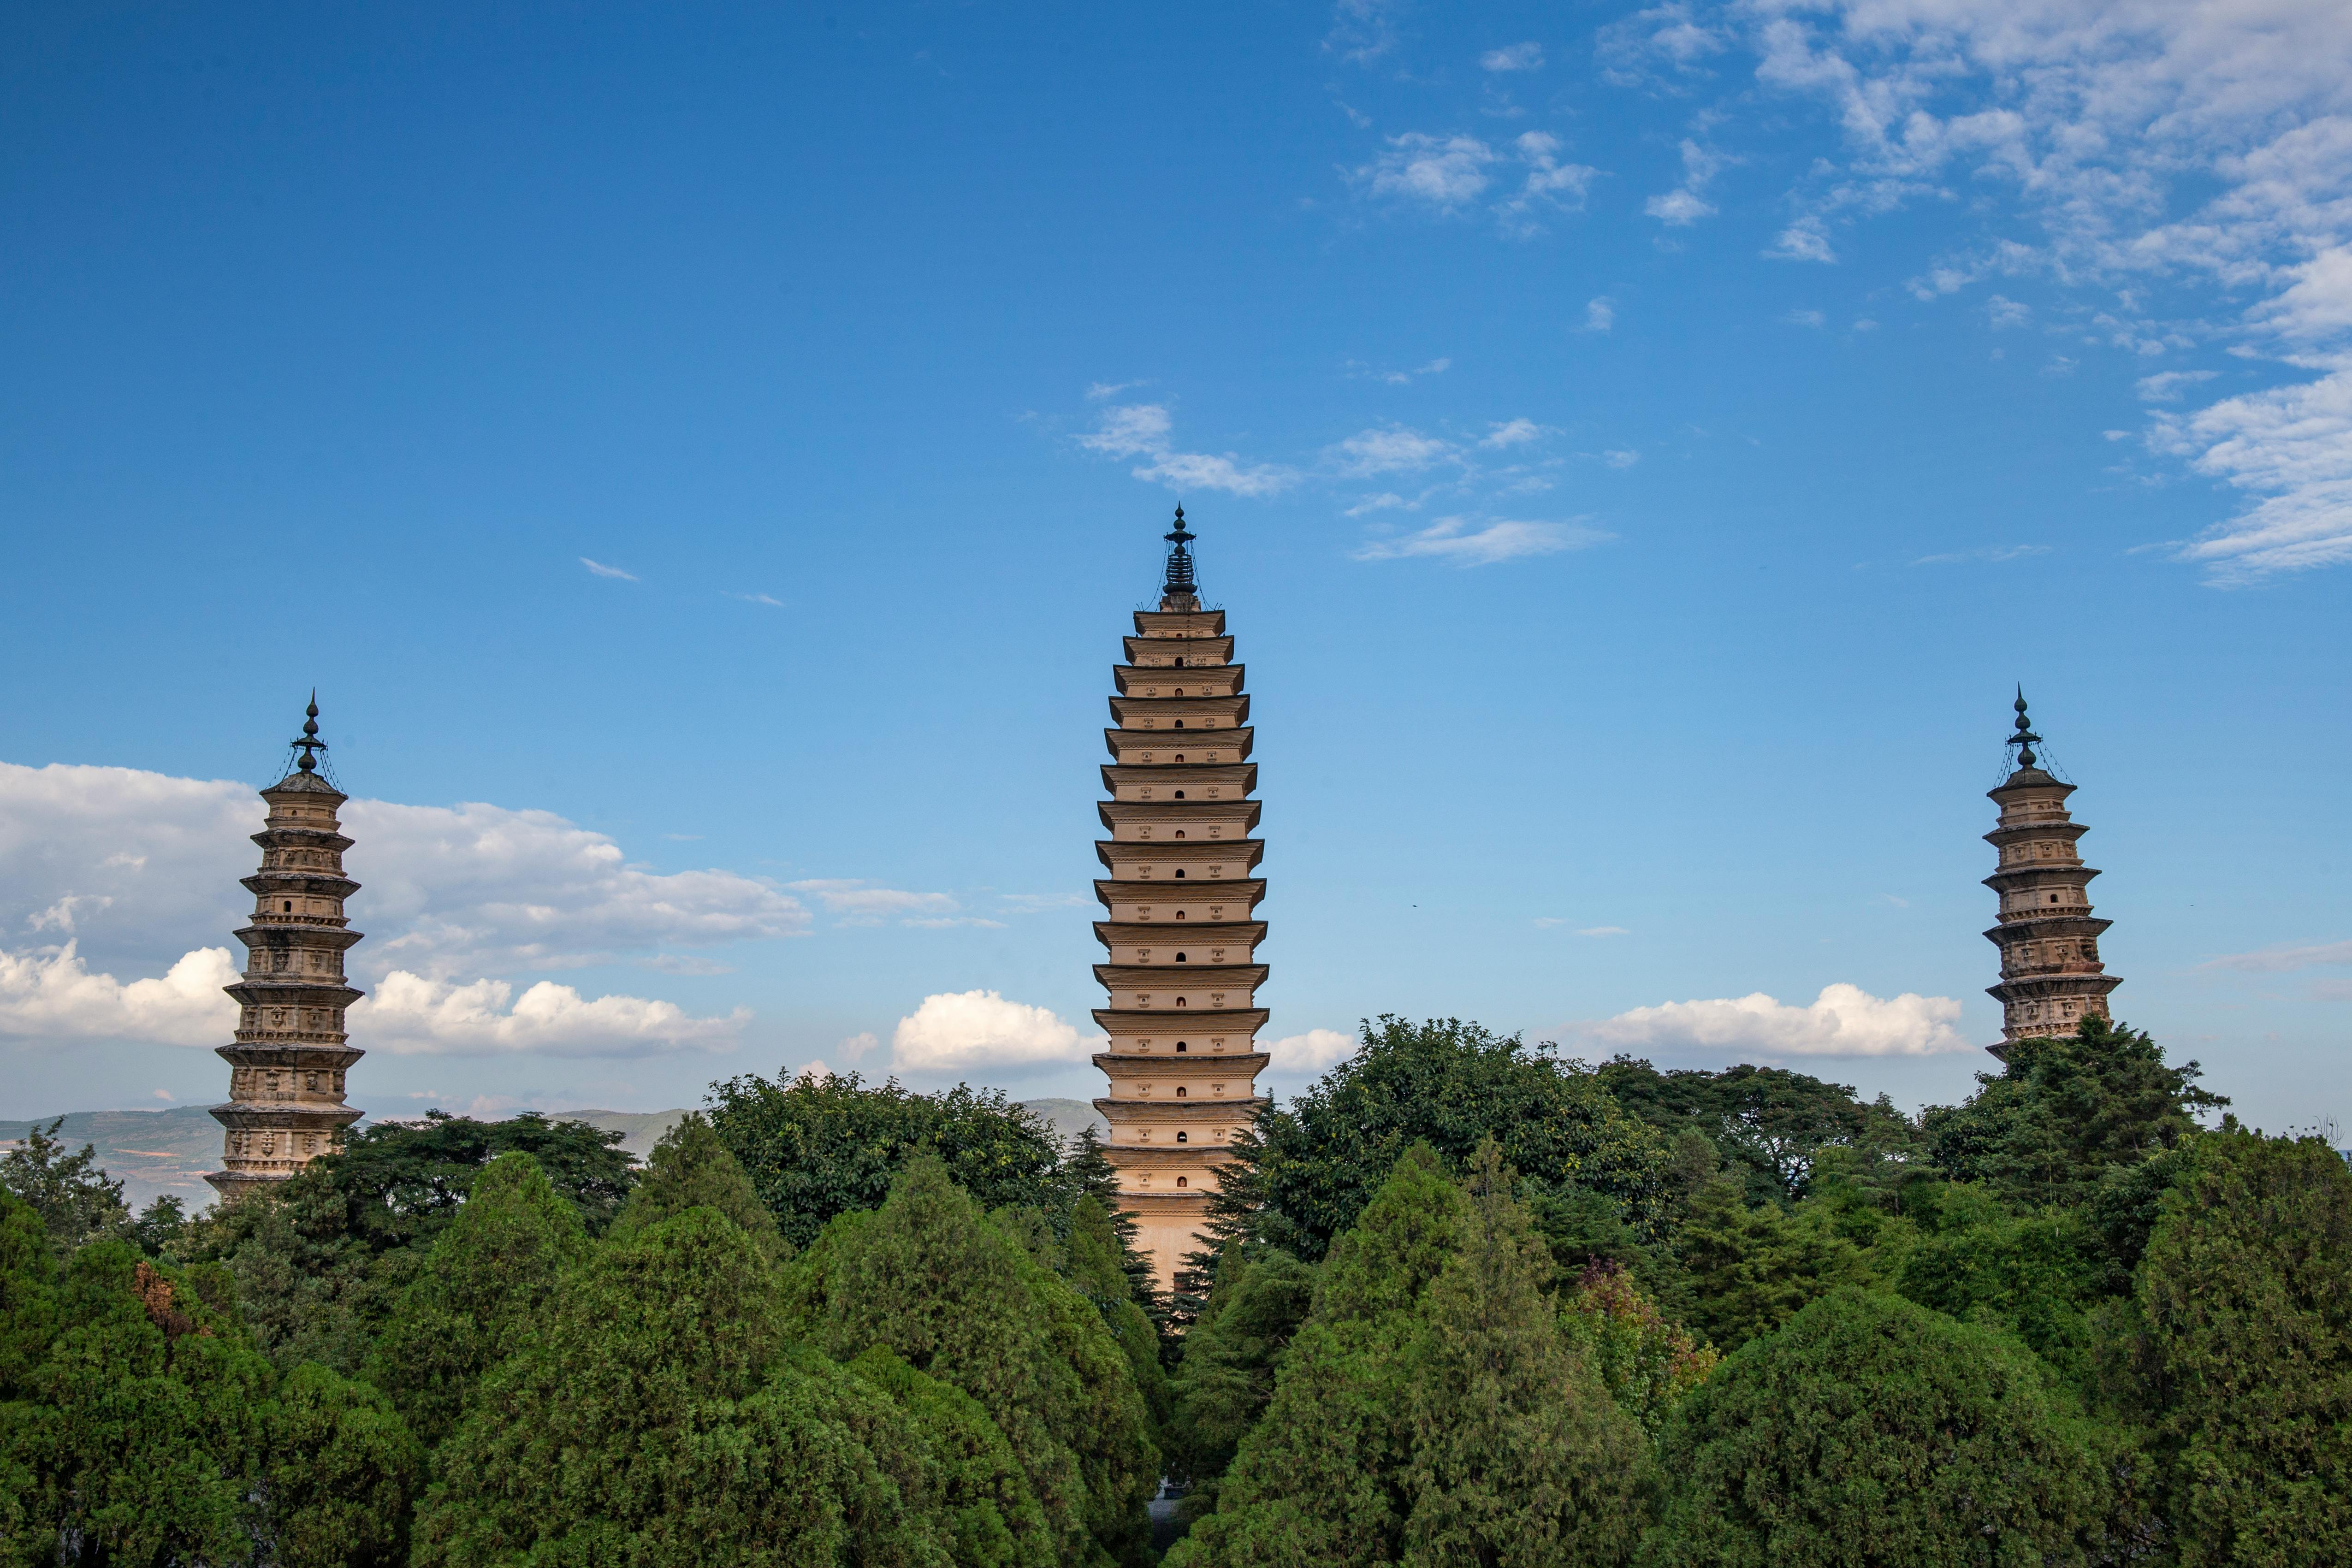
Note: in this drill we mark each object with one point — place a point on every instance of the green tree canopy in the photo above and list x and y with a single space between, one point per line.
1430 1410
691 1168
816 1147
1771 1122
2245 1355
76 1201
1231 1354
663 1418
402 1181
1748 1269
943 1286
485 1286
1308 1168
1873 1433
2061 1112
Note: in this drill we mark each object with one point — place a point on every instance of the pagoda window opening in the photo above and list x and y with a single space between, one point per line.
1179 757
1179 1092
290 906
1179 832
1180 873
1179 1045
1180 957
1180 794
1179 1001
1180 915
1180 1180
1179 724
1183 1137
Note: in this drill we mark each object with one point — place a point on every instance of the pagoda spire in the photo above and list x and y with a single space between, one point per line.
2051 974
290 1053
1179 897
1179 590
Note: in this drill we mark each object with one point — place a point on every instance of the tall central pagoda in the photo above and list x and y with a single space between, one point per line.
287 1066
2052 978
1180 898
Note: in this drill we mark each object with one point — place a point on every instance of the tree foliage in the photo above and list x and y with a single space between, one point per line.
1308 1168
818 1146
2047 1128
1769 1121
76 1201
691 1168
2244 1350
1874 1433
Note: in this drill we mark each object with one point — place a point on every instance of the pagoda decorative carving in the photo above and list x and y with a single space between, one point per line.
1181 929
2050 974
287 1066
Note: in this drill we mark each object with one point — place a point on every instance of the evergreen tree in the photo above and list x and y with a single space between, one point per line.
1430 1409
992 1518
1306 1170
1094 1265
1231 1354
1874 1433
137 1437
402 1181
2063 1111
661 1417
1748 1270
2244 1350
341 1472
485 1286
943 1285
819 1146
691 1168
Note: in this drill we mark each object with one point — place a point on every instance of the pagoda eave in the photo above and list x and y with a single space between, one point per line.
1249 889
2046 875
291 993
1190 854
1227 976
1190 1064
1204 1020
1178 1111
1239 742
2035 926
1113 812
1240 934
249 1115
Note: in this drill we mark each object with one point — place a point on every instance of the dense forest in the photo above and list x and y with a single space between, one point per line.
1464 1303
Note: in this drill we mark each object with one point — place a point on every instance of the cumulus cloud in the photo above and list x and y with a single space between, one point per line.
2291 446
1511 432
958 1032
1843 1020
1513 57
1313 1051
2168 386
1807 239
1145 431
1447 174
1459 541
51 994
410 1015
2002 312
1682 206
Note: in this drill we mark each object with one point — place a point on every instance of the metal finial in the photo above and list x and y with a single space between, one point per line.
310 742
2024 739
1180 583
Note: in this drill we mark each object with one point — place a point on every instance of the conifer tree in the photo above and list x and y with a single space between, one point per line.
943 1285
485 1287
1231 1357
692 1168
342 1470
1873 1433
2244 1352
662 1417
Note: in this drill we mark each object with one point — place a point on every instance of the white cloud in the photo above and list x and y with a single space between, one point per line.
1681 207
1807 239
2167 386
1804 317
1621 457
1548 180
1455 539
1992 554
1100 390
1143 430
1394 449
2005 312
2285 960
1386 501
1313 1051
601 570
860 903
2292 447
49 993
1511 432
1445 172
961 1030
410 1015
1844 1020
1600 314
768 599
1513 57
1363 30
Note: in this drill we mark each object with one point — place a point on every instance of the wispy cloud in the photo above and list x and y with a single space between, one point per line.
1600 314
2167 386
1987 554
1464 542
1682 205
772 603
2002 312
1388 449
1513 57
601 570
1511 432
1804 317
1144 430
2284 960
1452 174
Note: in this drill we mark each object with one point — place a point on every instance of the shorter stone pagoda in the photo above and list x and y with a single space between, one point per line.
2050 974
287 1066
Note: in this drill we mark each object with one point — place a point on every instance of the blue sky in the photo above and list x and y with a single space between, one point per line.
705 459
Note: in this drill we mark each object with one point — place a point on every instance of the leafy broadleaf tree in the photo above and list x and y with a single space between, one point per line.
402 1181
691 1168
1645 1362
1874 1433
946 1287
2047 1128
1308 1169
2244 1350
78 1202
485 1288
816 1147
662 1417
1771 1122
